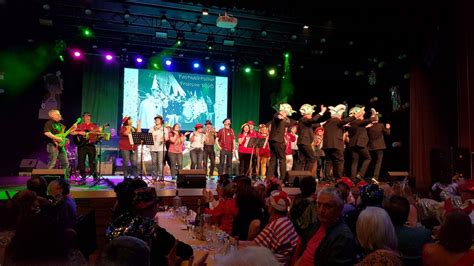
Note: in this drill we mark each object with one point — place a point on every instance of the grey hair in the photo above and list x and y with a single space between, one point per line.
334 192
249 256
375 230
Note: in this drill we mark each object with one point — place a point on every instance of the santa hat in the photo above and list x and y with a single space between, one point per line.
346 181
125 119
250 122
338 110
280 200
197 126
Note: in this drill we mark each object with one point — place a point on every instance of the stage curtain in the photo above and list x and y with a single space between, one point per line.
100 92
245 100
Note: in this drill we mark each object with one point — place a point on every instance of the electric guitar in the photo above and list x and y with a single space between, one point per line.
64 135
93 135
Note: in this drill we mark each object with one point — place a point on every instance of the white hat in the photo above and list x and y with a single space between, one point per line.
376 115
338 110
154 86
287 108
307 109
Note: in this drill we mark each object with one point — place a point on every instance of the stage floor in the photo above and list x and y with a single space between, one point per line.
10 185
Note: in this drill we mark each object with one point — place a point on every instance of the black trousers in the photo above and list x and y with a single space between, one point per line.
378 155
306 158
89 151
277 158
210 154
334 157
225 166
359 152
244 163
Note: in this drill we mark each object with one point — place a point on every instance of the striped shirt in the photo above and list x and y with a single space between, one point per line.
280 237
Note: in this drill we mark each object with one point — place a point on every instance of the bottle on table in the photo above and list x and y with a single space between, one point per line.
176 202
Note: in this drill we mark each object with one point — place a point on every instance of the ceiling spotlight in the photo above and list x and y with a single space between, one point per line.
198 23
210 42
180 38
109 57
247 70
301 67
139 60
126 16
264 33
180 55
294 37
46 7
208 70
205 12
255 62
305 27
163 19
88 12
222 68
322 40
124 49
196 65
271 72
207 57
168 62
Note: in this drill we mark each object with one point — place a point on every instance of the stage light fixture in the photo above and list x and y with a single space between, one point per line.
109 57
198 23
210 42
287 55
86 32
222 68
208 71
271 72
196 65
247 70
205 12
126 15
168 62
88 12
61 57
180 38
139 60
77 54
155 65
163 19
305 27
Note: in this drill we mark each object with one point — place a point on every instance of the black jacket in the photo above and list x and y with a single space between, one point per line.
376 133
305 129
278 129
338 246
333 130
358 133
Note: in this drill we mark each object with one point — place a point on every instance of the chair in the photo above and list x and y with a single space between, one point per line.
86 233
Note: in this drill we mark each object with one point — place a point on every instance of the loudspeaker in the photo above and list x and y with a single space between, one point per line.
462 162
106 168
293 177
191 178
49 174
27 165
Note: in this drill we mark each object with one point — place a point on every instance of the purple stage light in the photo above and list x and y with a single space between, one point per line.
139 60
109 57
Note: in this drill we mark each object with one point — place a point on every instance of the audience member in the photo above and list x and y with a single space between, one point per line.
64 207
377 237
410 239
37 185
226 211
125 251
303 211
279 235
249 256
455 240
332 242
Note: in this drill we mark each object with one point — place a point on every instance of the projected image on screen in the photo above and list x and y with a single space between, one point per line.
183 98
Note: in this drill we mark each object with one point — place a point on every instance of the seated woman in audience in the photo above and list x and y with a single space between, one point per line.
455 240
344 184
402 189
226 211
63 207
125 192
208 196
377 237
279 235
250 215
125 251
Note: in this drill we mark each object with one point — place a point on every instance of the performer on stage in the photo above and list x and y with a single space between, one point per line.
376 146
306 157
225 142
51 128
127 150
158 150
290 138
333 144
358 141
196 151
294 146
175 151
276 140
264 152
87 147
209 152
245 152
318 151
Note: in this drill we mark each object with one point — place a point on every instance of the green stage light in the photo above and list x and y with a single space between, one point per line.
86 32
208 70
209 47
179 42
247 70
287 55
271 72
155 65
61 58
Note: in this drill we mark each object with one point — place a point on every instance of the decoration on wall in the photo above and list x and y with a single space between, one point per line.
372 78
52 98
395 96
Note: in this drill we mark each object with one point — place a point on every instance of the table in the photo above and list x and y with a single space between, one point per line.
173 226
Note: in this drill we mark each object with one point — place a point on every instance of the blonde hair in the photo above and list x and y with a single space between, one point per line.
50 113
375 230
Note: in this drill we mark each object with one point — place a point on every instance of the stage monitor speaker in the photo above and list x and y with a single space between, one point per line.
397 175
191 178
462 162
293 177
49 174
27 165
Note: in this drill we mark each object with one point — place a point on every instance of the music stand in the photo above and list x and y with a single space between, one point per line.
141 138
100 177
254 143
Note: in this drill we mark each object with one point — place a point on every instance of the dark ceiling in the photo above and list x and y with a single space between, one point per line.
339 33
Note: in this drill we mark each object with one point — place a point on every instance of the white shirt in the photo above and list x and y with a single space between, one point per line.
158 138
198 141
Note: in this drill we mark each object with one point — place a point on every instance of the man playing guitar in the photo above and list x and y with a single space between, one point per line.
85 137
54 147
